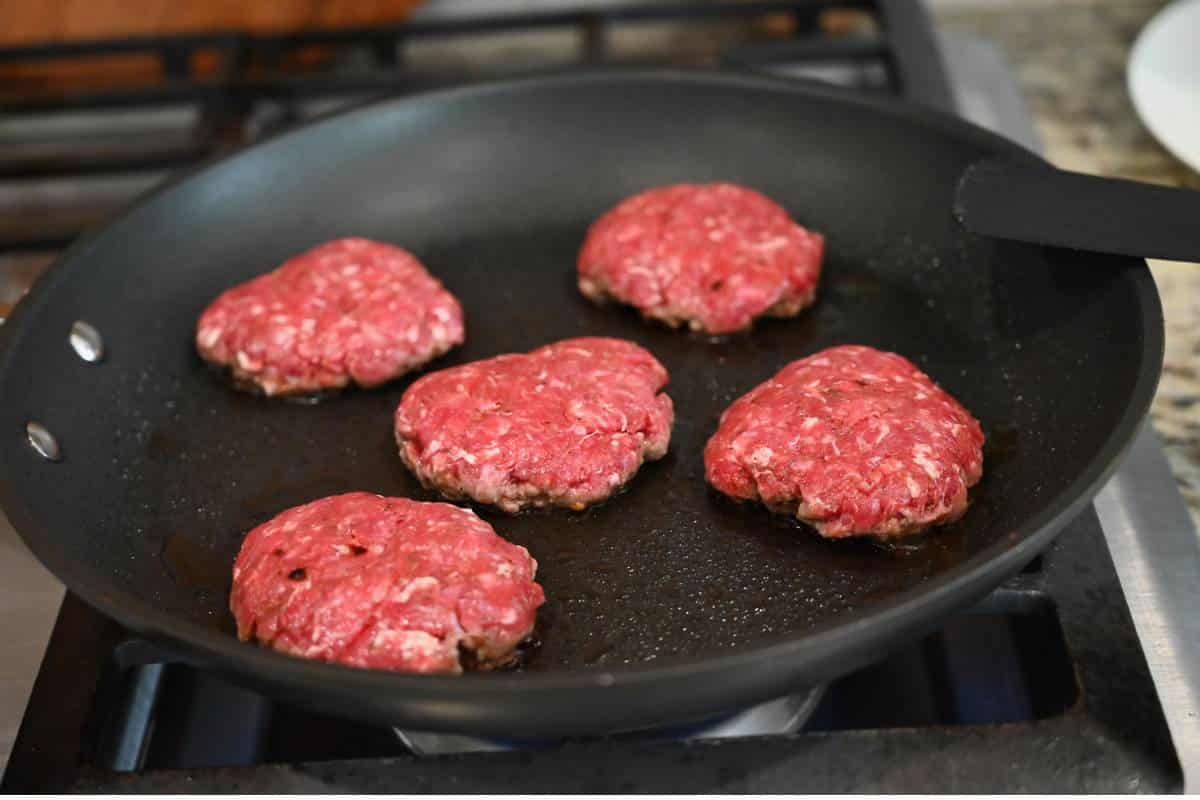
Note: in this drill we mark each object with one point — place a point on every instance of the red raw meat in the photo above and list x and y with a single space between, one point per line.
384 583
715 256
852 440
349 310
564 425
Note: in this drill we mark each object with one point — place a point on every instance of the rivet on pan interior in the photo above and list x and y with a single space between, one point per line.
86 342
43 441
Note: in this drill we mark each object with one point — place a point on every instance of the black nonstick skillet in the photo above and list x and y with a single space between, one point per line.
667 603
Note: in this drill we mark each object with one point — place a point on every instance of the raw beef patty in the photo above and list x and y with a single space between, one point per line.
714 256
384 583
852 440
564 425
349 310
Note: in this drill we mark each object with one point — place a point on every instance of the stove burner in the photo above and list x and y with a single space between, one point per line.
784 715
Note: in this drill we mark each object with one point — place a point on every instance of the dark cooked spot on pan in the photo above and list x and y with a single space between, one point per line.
467 658
357 549
298 574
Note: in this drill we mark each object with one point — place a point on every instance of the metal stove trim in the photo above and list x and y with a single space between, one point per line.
1156 551
779 717
1151 538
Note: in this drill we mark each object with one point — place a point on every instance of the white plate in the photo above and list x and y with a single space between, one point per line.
1164 79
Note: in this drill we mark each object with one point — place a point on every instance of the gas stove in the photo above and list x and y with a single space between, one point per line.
1081 674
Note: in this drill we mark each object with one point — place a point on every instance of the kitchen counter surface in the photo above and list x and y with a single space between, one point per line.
1070 58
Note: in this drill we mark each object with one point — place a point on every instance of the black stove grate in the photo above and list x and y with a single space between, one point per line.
222 90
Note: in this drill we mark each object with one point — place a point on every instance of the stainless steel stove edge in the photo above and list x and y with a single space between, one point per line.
1150 534
1156 551
29 601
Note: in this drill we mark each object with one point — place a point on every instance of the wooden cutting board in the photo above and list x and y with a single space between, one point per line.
77 20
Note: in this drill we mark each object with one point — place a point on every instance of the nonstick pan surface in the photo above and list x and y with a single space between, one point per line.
668 602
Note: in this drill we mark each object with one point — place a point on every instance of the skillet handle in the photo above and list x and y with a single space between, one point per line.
1044 205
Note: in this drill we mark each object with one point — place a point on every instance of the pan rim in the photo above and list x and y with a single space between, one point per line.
783 655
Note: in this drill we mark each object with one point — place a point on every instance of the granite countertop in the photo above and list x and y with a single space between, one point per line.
1070 58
